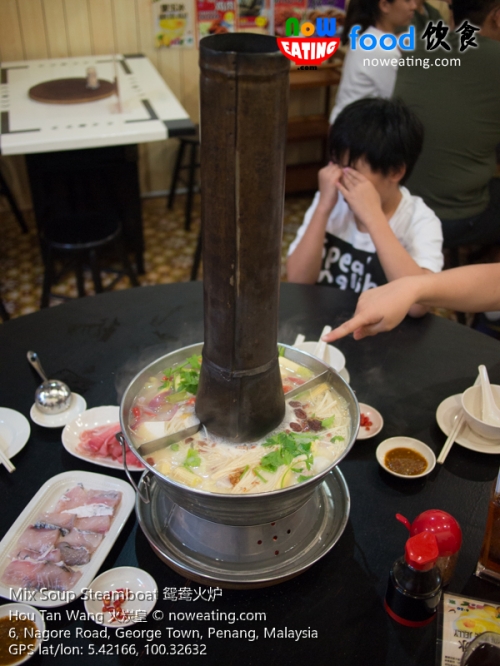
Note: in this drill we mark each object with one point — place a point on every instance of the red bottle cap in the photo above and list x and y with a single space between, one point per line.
444 527
421 551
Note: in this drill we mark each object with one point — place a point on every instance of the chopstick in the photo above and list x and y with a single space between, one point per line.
455 431
6 462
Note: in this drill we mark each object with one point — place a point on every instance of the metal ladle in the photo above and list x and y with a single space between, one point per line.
53 396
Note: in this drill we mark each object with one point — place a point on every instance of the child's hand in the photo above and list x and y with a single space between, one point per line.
361 195
328 177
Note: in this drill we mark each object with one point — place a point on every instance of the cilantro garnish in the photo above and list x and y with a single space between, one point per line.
303 478
183 377
289 446
281 350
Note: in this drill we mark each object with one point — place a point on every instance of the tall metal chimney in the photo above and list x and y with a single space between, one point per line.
244 102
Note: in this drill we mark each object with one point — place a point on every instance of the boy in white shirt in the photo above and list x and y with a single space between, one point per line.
363 228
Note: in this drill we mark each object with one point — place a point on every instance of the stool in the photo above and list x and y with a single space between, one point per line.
5 190
193 143
80 237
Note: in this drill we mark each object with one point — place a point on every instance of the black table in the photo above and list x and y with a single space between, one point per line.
97 344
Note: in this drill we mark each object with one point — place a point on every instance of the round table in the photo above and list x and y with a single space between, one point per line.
98 344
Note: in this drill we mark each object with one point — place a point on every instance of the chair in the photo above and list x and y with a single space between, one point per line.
193 143
78 238
5 191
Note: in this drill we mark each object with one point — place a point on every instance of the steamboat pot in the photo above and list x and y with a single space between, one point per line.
228 509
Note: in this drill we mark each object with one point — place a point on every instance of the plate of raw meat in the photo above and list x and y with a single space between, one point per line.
54 549
91 437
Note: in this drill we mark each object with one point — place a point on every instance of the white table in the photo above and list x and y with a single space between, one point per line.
56 138
149 109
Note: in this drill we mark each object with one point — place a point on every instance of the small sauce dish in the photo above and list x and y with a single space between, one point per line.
405 453
132 592
371 421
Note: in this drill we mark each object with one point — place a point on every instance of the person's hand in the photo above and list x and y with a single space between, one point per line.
378 310
328 177
361 195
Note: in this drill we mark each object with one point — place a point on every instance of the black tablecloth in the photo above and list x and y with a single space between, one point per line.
98 344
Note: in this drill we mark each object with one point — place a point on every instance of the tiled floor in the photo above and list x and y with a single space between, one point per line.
168 256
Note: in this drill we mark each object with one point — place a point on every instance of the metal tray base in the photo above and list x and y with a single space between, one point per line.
243 557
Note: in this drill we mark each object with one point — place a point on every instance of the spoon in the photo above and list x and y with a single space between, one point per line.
320 350
490 411
53 396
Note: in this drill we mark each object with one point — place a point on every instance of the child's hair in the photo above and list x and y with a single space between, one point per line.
385 133
360 12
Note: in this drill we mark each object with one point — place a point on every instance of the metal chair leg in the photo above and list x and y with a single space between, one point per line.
175 175
129 271
96 274
196 259
5 189
80 278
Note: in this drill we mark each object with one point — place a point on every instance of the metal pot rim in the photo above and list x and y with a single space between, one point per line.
311 484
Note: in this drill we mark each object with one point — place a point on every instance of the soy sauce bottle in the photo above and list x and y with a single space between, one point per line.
414 587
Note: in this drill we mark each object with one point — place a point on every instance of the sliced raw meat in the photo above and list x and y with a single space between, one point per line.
37 576
73 556
38 540
89 540
61 521
101 443
94 524
78 496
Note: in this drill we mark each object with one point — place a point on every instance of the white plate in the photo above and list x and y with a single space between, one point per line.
375 417
77 406
336 357
138 582
14 431
445 416
409 443
7 610
44 501
93 418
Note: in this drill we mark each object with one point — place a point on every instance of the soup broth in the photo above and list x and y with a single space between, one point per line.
313 435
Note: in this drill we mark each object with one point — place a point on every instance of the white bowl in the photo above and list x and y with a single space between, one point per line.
31 614
141 585
336 357
365 432
472 405
407 443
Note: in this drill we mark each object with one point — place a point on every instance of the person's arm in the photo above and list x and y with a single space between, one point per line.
304 264
468 288
364 201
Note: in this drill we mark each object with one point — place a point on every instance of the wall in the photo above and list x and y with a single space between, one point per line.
31 29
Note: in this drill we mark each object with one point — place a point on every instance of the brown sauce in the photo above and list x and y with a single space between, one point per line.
23 630
405 461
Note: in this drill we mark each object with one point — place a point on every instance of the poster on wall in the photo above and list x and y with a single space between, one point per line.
214 17
173 23
307 10
254 15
